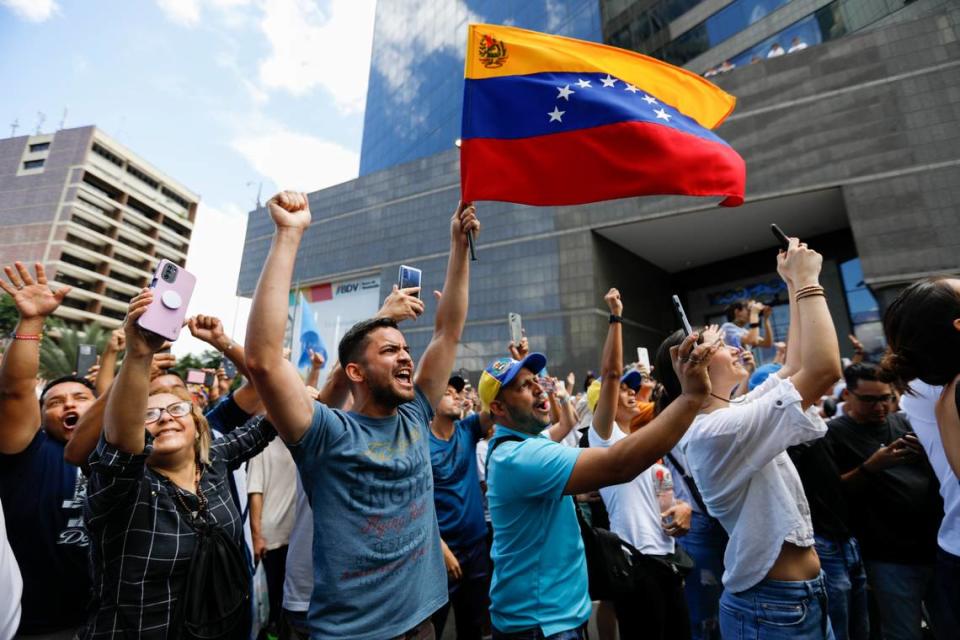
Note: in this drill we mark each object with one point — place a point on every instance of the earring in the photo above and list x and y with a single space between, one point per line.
196 436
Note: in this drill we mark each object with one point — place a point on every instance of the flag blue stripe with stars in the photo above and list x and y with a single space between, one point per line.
510 107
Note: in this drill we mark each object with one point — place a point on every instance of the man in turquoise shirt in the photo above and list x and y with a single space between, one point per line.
539 587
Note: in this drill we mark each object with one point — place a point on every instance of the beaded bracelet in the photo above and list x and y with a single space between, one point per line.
25 336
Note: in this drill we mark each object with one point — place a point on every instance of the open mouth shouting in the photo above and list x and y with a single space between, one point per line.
542 404
70 419
404 376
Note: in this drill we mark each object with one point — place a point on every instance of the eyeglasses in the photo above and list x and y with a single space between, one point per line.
873 399
176 410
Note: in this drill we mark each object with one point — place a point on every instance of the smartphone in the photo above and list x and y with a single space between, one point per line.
86 358
196 376
209 378
547 385
681 315
516 327
229 368
172 288
409 277
643 357
780 236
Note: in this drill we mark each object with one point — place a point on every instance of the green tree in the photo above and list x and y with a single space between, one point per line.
209 359
58 350
8 315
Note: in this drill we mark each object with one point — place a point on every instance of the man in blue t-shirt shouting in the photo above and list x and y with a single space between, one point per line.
459 501
539 570
377 562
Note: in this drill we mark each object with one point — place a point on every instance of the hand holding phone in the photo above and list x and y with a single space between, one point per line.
172 289
86 358
681 315
409 277
781 237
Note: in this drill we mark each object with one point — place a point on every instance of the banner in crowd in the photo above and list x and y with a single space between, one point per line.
322 313
549 120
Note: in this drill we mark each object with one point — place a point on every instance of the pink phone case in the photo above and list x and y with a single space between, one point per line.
170 299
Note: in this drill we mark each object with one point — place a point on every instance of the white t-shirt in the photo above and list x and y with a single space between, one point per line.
11 585
273 473
920 410
738 458
298 581
633 506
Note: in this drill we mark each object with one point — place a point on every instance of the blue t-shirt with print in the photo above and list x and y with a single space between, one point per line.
377 565
539 566
456 485
43 498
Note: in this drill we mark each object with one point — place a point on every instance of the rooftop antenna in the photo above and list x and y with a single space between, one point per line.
259 191
41 118
63 120
14 126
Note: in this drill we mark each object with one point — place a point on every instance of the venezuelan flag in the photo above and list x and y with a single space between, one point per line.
549 120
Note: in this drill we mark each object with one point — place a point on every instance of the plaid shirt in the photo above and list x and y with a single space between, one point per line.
141 541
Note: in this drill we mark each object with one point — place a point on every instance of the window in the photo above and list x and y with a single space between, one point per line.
33 164
40 146
108 155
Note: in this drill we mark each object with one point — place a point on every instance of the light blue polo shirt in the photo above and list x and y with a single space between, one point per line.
539 567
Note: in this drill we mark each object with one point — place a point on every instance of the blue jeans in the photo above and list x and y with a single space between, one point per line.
777 610
901 590
706 543
846 588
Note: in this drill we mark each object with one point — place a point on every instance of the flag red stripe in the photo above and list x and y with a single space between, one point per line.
588 165
321 292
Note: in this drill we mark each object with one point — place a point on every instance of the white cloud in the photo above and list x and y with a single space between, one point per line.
405 35
182 12
216 248
313 48
296 160
32 10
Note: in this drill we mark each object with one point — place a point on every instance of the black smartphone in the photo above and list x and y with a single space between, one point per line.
780 236
409 277
86 358
681 316
229 368
209 379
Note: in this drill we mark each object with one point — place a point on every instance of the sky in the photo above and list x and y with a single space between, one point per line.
221 95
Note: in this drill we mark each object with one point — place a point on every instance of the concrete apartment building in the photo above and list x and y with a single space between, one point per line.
851 142
96 214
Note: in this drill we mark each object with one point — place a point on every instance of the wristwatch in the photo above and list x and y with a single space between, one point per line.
615 318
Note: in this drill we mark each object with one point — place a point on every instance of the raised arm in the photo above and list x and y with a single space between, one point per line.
210 330
628 458
277 381
611 370
437 362
127 402
108 360
819 351
566 421
34 300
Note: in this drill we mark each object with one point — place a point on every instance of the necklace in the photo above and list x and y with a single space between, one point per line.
727 400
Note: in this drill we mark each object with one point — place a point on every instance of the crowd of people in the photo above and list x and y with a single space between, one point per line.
697 496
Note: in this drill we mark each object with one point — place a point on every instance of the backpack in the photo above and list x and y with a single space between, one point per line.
215 602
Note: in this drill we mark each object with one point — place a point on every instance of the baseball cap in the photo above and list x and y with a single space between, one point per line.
457 382
632 379
502 371
593 395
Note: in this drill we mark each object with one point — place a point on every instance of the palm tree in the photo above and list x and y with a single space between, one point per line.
58 350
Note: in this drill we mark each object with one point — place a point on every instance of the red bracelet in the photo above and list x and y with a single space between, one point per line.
24 336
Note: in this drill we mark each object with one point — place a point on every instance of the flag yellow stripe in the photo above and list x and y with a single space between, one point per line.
529 52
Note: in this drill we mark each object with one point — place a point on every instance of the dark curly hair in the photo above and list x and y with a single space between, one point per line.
921 337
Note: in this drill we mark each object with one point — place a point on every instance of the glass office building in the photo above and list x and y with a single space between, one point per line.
851 144
415 93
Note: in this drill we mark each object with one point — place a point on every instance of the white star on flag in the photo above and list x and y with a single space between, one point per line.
663 115
631 88
608 81
556 115
649 99
584 84
565 92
